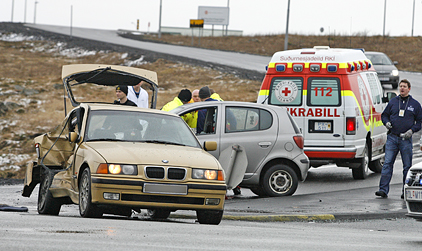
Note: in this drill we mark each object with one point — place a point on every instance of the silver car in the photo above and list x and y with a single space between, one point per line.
272 141
385 68
413 192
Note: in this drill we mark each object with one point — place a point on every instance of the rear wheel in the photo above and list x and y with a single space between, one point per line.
280 180
86 208
258 191
47 204
376 165
158 214
361 172
211 217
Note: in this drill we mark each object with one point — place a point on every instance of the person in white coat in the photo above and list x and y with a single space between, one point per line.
138 95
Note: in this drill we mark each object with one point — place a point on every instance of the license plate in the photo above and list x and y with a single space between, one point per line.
322 126
384 79
415 195
165 189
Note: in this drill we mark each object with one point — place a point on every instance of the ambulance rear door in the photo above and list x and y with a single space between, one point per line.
323 113
289 92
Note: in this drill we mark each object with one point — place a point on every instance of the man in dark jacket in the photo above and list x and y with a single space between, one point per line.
402 117
121 94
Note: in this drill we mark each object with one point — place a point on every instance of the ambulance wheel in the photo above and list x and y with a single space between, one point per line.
280 180
361 172
376 165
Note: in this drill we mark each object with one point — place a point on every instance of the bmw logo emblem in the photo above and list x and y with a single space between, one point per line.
165 161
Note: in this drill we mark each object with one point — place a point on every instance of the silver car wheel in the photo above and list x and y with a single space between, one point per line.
280 181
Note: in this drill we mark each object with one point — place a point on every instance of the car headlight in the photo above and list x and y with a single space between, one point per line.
117 169
395 72
207 174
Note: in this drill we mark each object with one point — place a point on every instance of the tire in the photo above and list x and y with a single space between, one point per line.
47 204
86 208
158 214
361 172
280 180
258 191
376 165
211 217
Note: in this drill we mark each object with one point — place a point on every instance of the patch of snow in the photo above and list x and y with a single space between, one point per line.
139 61
8 161
17 37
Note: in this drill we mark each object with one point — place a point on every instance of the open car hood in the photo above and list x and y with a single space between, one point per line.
107 75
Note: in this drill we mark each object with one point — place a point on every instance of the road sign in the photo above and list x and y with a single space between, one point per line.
197 23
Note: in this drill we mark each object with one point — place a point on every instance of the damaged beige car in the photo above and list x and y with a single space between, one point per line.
114 159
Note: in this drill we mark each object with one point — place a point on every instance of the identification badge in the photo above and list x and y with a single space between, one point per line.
401 113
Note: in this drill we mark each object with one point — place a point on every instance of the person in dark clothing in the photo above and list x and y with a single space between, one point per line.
402 117
204 95
121 93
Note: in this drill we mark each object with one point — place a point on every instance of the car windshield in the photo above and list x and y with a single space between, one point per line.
112 125
379 59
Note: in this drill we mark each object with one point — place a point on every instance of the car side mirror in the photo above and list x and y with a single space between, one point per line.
395 63
73 136
210 145
390 96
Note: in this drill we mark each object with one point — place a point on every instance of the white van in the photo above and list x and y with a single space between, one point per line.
336 98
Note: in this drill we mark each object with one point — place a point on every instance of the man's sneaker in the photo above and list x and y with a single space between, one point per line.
381 193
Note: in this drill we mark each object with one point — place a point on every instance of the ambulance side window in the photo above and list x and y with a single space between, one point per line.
286 91
324 92
375 90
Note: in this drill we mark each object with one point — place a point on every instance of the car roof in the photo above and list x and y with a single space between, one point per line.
115 107
374 52
230 103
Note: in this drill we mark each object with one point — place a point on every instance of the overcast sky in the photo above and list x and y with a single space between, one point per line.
253 17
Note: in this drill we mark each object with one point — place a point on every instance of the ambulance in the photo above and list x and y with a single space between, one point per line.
336 98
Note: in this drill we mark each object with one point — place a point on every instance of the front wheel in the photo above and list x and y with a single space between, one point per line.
361 172
211 217
86 208
47 204
280 180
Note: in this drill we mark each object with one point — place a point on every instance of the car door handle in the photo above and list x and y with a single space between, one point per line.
264 144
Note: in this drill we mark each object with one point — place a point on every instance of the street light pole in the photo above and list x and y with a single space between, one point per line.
71 20
385 8
159 22
13 6
35 10
413 17
286 37
24 15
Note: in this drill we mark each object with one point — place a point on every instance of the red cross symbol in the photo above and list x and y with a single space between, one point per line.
286 91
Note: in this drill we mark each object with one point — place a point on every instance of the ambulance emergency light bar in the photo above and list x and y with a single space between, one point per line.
317 67
298 67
